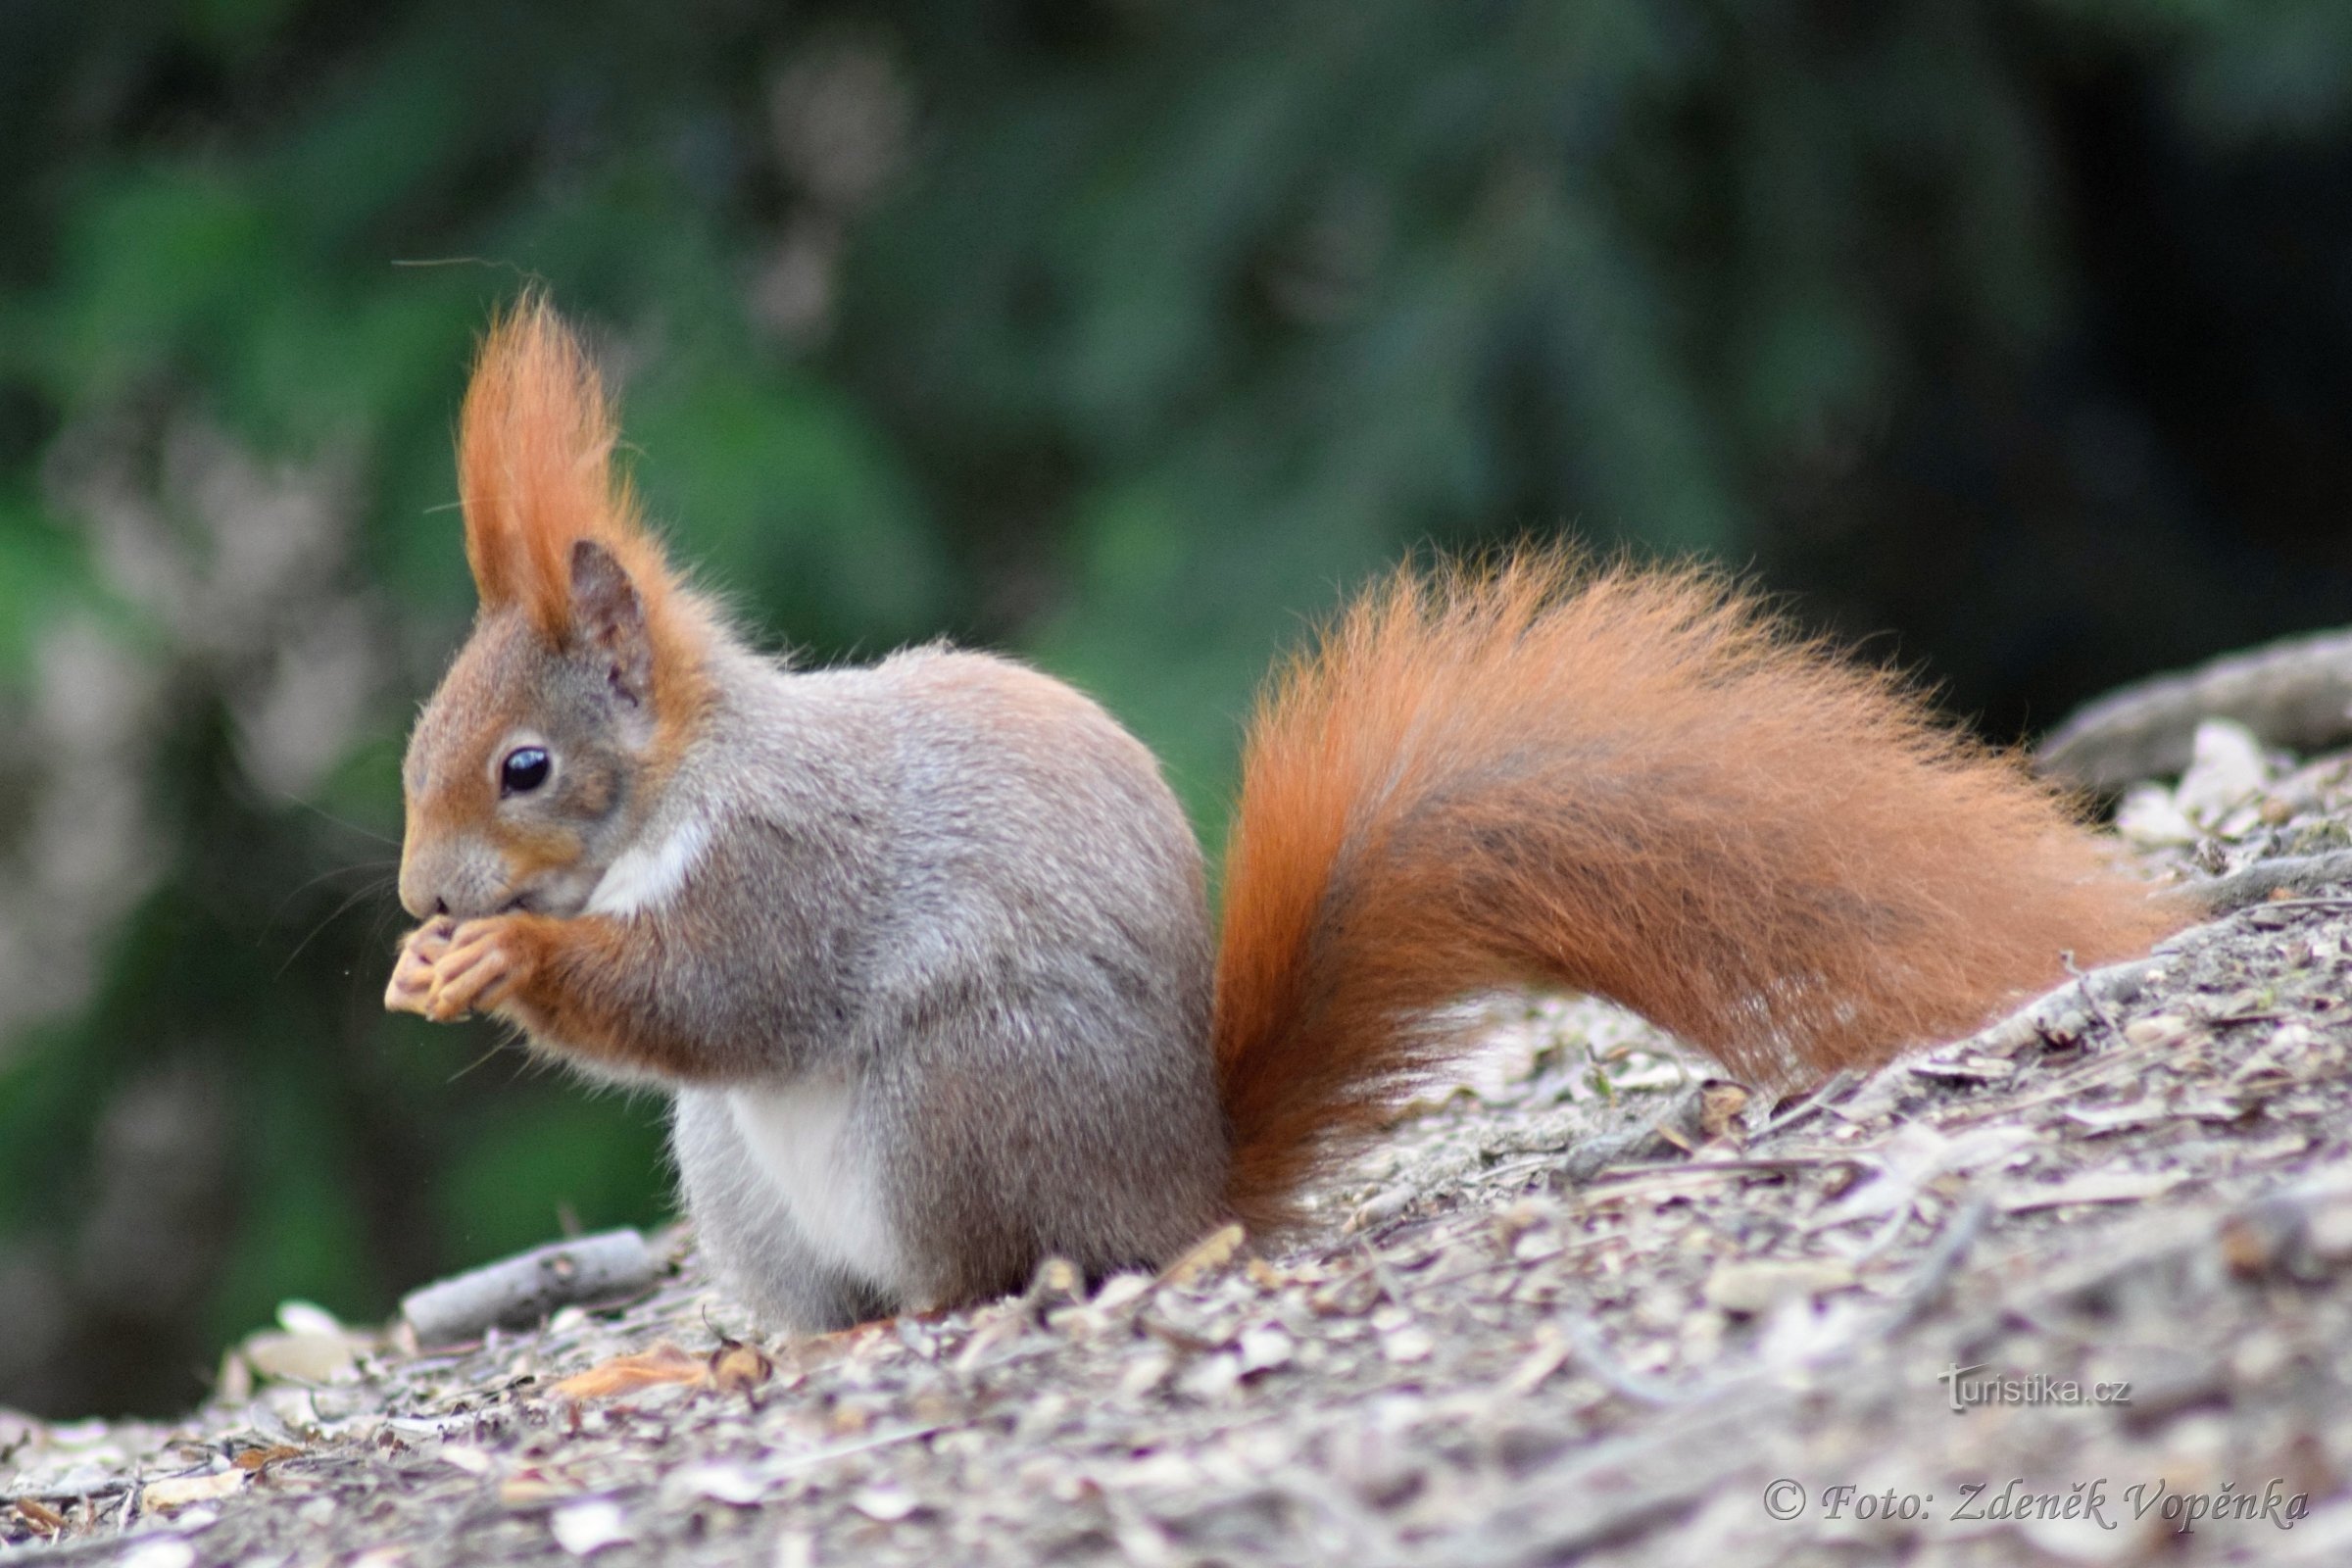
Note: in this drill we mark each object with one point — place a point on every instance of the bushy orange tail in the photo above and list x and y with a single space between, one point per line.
1629 782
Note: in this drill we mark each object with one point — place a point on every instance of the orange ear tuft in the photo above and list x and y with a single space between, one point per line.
535 471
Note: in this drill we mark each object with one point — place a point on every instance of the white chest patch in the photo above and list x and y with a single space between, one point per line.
647 876
799 1137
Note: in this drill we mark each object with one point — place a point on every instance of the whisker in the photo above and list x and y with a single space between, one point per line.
324 814
496 1047
377 866
377 886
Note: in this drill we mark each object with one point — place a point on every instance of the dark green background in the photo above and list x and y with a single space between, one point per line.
1124 334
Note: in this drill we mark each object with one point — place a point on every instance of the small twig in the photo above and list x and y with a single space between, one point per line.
1887 1235
2090 998
1768 1165
1824 1095
803 1462
1161 1329
1935 1270
1495 1174
1382 1275
1580 1243
2112 1064
1638 1387
520 1290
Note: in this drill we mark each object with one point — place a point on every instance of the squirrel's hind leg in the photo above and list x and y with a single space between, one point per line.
1057 1122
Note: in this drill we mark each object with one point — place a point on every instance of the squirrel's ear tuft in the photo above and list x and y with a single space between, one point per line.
535 469
552 530
608 618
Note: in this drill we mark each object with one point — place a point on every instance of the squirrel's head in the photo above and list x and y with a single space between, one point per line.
535 763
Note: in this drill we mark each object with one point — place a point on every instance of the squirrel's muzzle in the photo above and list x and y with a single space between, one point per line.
459 878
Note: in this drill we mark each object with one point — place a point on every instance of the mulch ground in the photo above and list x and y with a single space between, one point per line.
2077 1290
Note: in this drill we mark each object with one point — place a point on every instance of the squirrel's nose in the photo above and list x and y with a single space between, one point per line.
418 893
457 876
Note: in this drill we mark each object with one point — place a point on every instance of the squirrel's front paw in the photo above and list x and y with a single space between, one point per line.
412 971
485 960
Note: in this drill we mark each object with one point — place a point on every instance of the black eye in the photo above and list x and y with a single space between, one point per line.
525 770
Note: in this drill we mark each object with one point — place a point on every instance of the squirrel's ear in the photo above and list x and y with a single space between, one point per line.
608 619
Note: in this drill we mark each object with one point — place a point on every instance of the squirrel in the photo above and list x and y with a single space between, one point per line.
922 951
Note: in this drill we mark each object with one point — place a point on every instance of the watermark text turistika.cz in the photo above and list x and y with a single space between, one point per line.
1967 1391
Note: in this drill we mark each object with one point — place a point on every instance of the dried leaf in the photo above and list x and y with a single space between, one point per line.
1212 1253
662 1365
40 1515
2157 1029
738 1368
258 1460
1722 1105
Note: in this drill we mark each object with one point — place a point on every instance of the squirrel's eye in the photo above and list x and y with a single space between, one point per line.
524 769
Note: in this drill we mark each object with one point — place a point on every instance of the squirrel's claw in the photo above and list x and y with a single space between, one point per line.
475 971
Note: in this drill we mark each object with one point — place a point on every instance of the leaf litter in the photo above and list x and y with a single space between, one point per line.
1586 1302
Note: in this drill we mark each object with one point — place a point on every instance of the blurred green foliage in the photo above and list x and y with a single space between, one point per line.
1120 332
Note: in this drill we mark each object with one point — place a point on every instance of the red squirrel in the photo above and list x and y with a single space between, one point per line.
922 951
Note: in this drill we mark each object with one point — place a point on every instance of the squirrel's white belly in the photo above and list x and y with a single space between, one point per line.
799 1137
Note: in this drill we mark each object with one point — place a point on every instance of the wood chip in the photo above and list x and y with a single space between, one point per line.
177 1492
1752 1288
2091 1187
160 1552
586 1528
885 1504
